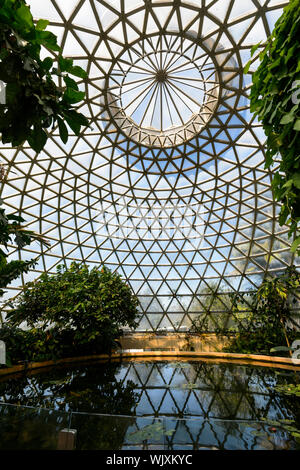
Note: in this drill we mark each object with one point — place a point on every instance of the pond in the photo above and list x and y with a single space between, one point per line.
152 405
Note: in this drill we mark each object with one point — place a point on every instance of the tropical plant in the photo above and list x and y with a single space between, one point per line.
31 90
33 345
12 230
275 99
270 317
88 306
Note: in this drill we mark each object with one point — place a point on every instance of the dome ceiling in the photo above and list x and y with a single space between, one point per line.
168 186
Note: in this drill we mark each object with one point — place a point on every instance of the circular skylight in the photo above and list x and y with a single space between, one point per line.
168 185
162 90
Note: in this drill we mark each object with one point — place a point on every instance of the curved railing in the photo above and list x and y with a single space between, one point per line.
25 427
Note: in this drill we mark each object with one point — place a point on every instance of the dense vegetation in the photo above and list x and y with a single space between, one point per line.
271 322
31 82
13 231
275 98
76 311
264 320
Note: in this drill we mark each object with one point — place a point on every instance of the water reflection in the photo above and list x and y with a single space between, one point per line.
166 405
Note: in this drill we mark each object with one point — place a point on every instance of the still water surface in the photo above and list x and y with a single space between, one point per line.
154 405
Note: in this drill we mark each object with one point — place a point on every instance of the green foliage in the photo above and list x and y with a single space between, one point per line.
149 432
11 231
269 320
288 425
82 308
275 99
288 389
30 345
255 322
37 345
31 91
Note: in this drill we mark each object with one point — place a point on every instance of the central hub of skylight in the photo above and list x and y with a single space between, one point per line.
161 76
163 90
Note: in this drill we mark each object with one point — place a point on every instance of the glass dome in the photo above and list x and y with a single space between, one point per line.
168 186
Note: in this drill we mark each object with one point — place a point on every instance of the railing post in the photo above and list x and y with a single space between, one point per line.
2 353
67 439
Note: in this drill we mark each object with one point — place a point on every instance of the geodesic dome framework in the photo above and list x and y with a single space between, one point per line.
168 186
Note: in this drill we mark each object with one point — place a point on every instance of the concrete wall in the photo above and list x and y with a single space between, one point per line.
173 342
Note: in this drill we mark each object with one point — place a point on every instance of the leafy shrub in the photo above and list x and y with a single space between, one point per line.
74 312
261 320
36 345
275 100
12 231
270 321
22 345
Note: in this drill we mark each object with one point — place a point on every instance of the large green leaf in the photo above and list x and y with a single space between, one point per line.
288 118
78 71
73 96
63 131
295 244
37 138
296 180
42 25
24 18
297 125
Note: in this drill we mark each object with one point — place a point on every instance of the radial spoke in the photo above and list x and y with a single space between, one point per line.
152 63
125 92
132 83
143 57
175 106
151 122
152 91
168 105
173 54
188 62
207 80
161 106
184 71
189 97
155 54
123 61
190 85
137 97
149 104
181 100
205 63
